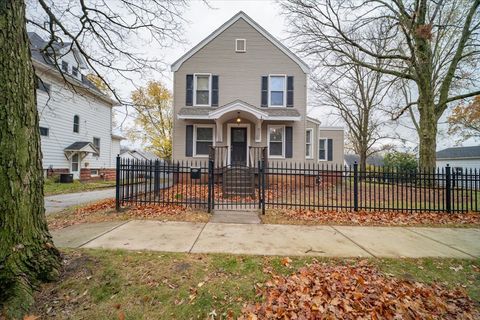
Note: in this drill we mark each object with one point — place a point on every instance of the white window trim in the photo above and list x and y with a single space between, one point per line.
244 47
195 126
326 149
311 143
94 174
195 89
284 91
283 142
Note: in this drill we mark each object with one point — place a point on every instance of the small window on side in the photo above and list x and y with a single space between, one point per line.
43 86
96 143
76 124
94 172
44 131
240 45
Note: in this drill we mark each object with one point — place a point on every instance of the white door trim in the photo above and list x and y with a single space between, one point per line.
229 137
76 174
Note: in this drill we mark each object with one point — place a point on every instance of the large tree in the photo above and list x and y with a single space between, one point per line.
153 115
107 35
433 44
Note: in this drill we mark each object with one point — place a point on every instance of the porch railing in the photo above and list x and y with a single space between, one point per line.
256 154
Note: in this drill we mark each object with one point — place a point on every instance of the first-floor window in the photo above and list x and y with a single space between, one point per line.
44 131
322 149
203 140
276 141
308 143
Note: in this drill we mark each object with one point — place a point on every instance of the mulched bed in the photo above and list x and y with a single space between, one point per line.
375 218
320 291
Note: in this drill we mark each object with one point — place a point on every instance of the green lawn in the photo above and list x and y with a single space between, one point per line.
51 187
100 284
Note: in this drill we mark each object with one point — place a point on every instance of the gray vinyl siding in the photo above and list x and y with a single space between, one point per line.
240 78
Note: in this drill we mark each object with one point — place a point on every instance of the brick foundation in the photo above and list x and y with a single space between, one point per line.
103 174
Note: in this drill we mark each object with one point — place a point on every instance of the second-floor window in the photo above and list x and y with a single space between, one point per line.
76 123
64 66
202 88
44 131
277 86
75 71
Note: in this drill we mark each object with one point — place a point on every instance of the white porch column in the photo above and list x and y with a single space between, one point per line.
219 130
258 130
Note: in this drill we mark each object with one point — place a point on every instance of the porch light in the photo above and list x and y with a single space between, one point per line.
238 120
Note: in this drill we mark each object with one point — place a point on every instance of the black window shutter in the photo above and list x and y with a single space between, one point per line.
330 150
214 91
288 142
290 91
189 96
189 141
264 101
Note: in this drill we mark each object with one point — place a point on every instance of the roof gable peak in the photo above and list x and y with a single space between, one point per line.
240 15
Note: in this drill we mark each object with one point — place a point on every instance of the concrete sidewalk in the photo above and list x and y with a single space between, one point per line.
60 202
264 239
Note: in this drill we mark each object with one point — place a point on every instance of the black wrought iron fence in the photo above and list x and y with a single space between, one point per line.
202 184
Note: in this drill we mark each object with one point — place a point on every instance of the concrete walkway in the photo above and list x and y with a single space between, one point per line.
60 202
264 239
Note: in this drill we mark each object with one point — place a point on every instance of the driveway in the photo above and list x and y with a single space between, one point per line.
60 202
269 239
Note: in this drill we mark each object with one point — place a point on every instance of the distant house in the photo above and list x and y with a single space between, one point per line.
375 160
138 155
459 158
75 117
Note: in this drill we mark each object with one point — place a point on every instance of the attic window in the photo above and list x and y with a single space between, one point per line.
65 66
240 45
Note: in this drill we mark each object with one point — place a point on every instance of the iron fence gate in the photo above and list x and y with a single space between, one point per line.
272 185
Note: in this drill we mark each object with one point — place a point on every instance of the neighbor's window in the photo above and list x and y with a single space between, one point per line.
65 66
202 89
203 140
276 141
240 45
277 91
75 71
76 124
44 131
309 144
322 149
96 143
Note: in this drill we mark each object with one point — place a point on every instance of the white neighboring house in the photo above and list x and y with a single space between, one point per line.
75 119
138 155
460 159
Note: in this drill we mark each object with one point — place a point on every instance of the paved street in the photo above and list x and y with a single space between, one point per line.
60 202
264 239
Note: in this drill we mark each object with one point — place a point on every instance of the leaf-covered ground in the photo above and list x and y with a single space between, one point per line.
116 284
360 291
372 218
105 211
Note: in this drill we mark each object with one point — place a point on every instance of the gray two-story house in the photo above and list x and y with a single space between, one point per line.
241 90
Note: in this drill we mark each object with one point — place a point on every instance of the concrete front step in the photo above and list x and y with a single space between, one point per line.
235 216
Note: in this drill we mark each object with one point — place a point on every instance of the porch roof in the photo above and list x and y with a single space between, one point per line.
280 114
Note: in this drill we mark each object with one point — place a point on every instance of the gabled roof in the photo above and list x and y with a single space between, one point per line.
81 146
459 153
241 15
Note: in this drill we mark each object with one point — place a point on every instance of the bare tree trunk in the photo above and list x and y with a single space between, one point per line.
363 160
428 132
27 254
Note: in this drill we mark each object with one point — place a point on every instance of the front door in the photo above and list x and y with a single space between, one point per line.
238 146
75 166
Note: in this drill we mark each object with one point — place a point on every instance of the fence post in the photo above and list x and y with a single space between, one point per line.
448 189
355 186
210 184
117 184
262 174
